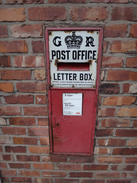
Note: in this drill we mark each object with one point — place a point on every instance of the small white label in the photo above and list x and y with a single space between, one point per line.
72 104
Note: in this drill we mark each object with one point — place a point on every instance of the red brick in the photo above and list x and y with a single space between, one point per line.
66 181
112 61
12 14
135 123
38 46
124 13
100 150
110 159
20 99
13 47
112 142
127 112
119 181
43 180
42 121
25 140
40 74
102 112
81 159
121 75
31 87
126 133
14 130
67 1
126 88
118 123
24 1
29 173
3 121
5 140
28 61
5 179
124 46
107 175
133 76
44 140
36 111
47 166
81 174
41 99
118 30
54 158
15 74
16 149
84 13
19 165
3 165
33 30
6 87
54 174
133 29
93 181
105 46
47 13
69 166
3 31
38 131
123 168
125 151
131 160
119 101
38 149
109 1
1 149
21 179
133 175
95 167
5 61
7 157
133 88
22 121
8 172
131 62
108 88
10 110
27 158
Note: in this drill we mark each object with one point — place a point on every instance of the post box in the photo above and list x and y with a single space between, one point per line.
73 67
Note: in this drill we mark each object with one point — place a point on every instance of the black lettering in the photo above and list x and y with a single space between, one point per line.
54 76
74 76
94 55
70 76
68 51
63 55
90 77
62 74
58 76
81 76
79 54
74 55
89 41
89 54
86 77
55 42
53 54
58 54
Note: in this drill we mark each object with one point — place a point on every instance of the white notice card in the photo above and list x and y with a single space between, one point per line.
72 104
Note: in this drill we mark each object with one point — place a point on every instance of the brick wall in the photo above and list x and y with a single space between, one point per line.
24 139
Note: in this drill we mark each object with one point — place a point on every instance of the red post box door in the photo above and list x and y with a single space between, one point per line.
73 134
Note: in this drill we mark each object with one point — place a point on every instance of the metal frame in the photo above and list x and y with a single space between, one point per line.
93 89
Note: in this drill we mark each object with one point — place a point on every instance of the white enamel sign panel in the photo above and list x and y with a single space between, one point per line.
70 50
72 104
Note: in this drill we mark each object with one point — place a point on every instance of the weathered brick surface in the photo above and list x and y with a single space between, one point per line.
25 142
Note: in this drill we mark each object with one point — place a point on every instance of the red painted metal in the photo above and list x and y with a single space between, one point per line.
72 134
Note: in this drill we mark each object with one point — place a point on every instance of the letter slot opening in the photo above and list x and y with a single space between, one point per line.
73 66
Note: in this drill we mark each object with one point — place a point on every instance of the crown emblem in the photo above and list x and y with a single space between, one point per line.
73 41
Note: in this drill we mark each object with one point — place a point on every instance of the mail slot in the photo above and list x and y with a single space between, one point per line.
73 68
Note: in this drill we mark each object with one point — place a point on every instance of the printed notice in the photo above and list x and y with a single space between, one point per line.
72 104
